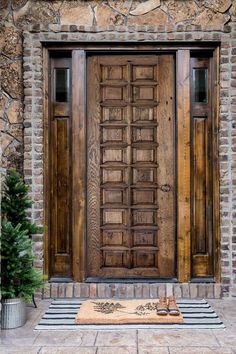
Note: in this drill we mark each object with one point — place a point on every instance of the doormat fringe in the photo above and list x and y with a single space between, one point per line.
197 314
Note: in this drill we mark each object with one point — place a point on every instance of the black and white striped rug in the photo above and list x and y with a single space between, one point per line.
197 314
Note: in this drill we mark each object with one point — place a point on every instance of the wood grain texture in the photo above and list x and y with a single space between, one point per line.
78 163
202 174
183 168
60 179
127 125
93 166
166 176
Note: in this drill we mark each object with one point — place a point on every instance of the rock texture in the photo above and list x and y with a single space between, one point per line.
16 14
105 15
155 17
73 12
145 7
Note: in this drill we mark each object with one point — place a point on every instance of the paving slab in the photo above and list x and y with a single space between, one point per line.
26 340
66 338
67 350
6 349
116 350
153 350
200 350
176 338
116 338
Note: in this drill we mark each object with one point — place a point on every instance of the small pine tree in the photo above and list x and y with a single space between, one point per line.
15 202
18 276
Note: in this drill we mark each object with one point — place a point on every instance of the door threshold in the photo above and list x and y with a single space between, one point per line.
130 280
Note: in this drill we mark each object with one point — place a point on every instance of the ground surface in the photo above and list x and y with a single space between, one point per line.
26 340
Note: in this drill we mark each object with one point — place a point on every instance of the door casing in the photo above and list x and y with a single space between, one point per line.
182 53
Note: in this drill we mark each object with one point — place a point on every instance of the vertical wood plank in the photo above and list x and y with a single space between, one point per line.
78 163
183 165
59 179
62 152
166 170
199 185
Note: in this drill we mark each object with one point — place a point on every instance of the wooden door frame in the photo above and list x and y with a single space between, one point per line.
182 98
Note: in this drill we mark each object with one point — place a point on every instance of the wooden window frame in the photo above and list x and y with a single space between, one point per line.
182 52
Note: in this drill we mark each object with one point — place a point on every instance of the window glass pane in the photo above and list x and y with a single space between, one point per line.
200 85
62 85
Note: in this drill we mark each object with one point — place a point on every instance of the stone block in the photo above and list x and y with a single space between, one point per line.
209 291
138 291
177 289
169 289
92 291
193 290
217 291
46 291
61 290
12 79
162 289
130 291
122 291
77 292
69 290
155 17
153 291
146 291
84 290
75 13
185 290
101 291
54 290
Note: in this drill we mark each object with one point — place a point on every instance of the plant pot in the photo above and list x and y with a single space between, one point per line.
13 313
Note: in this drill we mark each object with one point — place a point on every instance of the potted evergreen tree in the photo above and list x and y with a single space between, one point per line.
19 279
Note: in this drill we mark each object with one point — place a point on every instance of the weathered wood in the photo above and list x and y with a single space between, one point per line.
78 163
130 117
60 180
201 174
124 197
199 185
183 168
166 174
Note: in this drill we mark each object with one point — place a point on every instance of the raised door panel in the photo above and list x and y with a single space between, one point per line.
201 168
60 169
131 153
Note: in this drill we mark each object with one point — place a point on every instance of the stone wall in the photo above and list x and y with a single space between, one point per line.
112 20
16 14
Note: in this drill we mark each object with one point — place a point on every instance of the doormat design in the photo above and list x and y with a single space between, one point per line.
136 311
196 314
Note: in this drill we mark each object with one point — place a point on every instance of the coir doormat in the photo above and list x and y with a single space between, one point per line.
120 312
197 314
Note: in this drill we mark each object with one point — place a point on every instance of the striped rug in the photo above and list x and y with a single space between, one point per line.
196 313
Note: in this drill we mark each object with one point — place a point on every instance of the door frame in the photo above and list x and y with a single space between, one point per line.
182 54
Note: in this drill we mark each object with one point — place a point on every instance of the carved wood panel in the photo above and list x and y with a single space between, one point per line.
130 166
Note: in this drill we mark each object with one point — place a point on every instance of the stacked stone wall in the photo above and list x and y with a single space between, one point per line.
21 96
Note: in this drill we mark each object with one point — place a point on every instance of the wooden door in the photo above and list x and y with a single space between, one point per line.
201 167
60 168
131 184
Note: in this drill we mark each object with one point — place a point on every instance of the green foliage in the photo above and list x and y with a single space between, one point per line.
15 202
18 276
